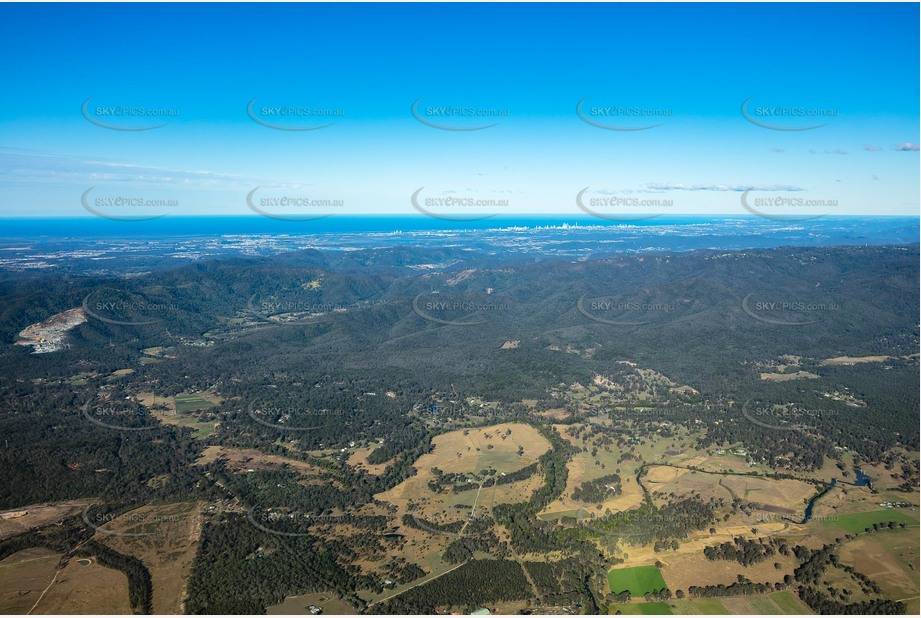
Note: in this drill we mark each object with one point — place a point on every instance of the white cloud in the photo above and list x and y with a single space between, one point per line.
675 186
19 166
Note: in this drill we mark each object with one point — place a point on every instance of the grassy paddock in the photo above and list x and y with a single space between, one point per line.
638 580
858 522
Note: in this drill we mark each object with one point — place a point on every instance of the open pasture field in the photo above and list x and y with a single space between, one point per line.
683 570
464 451
201 429
777 603
584 466
476 450
496 446
688 566
194 402
468 452
84 587
786 377
886 480
852 360
693 607
854 523
358 459
788 494
684 607
665 480
23 577
890 558
726 460
844 500
30 582
655 608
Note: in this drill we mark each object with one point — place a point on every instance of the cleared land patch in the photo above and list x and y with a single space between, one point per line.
359 459
786 377
298 605
853 360
251 459
182 410
16 521
166 542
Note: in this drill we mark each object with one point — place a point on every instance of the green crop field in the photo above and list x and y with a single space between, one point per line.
191 403
696 607
786 602
774 604
638 580
858 522
657 608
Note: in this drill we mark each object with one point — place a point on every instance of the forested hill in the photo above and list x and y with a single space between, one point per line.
312 331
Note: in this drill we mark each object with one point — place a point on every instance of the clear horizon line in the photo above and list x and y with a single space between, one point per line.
586 217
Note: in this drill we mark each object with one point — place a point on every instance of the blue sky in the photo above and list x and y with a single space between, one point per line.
852 68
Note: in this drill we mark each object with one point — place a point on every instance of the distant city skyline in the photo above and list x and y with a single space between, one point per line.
459 110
